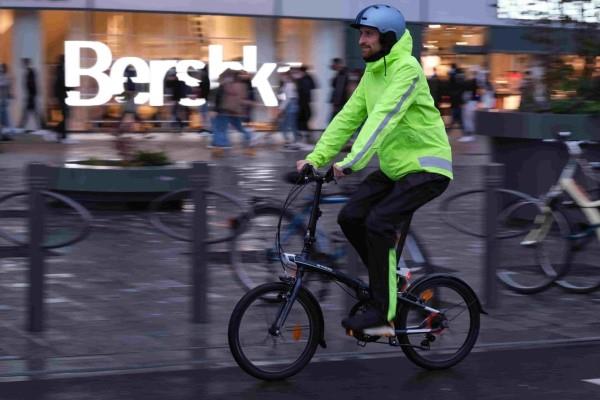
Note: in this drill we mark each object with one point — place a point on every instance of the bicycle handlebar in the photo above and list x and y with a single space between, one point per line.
310 174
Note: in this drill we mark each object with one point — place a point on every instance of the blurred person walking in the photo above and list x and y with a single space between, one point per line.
455 91
339 83
129 116
470 103
30 106
60 96
6 130
435 87
231 101
179 91
305 85
288 111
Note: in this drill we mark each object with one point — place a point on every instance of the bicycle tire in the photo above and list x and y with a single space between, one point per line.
445 208
250 271
83 213
266 367
155 217
582 275
436 284
549 256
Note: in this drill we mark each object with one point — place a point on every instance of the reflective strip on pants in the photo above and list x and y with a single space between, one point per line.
393 289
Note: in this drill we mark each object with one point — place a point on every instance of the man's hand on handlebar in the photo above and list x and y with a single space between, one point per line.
339 172
300 164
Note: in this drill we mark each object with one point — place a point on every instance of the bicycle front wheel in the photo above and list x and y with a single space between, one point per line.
452 332
273 356
583 275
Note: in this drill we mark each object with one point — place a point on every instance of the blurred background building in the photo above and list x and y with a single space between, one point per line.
475 35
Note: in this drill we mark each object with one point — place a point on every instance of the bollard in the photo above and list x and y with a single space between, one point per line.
494 176
199 183
35 300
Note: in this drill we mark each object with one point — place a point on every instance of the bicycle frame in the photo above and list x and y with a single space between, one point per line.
303 264
566 184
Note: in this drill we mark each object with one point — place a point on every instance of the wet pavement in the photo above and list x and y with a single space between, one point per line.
557 373
120 300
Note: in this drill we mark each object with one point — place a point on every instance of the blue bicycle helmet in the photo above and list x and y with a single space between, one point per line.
382 17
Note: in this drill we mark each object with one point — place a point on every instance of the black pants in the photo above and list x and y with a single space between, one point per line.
377 217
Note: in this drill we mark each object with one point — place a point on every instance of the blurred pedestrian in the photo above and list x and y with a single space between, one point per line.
179 91
455 91
305 85
288 110
435 88
339 85
129 116
30 104
230 106
470 103
6 130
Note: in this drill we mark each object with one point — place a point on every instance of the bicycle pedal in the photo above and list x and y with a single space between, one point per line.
394 341
361 343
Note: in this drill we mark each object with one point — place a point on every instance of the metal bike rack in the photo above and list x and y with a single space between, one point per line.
199 181
34 248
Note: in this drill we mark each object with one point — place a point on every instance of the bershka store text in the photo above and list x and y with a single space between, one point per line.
110 76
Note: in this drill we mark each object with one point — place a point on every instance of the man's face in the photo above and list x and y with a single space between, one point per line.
369 41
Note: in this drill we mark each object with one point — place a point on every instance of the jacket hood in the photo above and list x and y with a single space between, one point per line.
402 48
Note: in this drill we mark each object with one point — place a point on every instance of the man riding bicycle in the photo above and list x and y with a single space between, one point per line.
404 128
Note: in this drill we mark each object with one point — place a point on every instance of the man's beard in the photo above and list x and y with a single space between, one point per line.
375 56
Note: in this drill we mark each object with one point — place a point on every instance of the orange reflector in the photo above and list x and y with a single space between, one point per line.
427 295
297 332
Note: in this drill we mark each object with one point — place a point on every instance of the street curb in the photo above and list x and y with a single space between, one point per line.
211 364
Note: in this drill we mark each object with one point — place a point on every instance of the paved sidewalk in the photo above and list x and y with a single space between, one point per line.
120 299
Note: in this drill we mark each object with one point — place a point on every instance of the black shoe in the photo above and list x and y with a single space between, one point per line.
371 317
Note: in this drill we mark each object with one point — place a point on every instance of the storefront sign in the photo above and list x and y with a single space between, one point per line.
577 10
110 78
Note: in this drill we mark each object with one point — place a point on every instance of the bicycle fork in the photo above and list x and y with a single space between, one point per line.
286 307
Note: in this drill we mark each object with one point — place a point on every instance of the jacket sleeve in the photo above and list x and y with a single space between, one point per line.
383 119
341 128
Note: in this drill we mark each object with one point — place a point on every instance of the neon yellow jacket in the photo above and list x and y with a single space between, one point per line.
401 123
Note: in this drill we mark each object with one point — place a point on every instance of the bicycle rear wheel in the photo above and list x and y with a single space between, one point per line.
270 356
454 330
536 257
